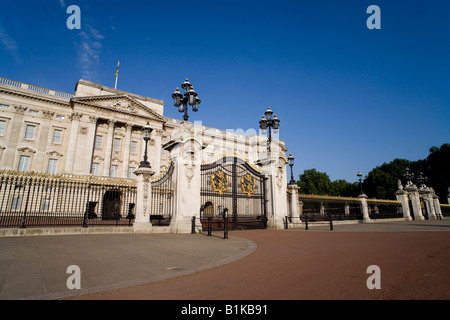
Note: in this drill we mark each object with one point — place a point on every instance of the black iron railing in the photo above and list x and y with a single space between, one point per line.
163 200
29 199
384 209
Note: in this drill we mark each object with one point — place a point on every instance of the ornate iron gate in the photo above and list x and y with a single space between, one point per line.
231 183
163 206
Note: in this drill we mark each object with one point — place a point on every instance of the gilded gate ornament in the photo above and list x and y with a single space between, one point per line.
248 185
219 182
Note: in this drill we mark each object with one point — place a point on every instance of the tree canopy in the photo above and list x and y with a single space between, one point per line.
319 183
381 182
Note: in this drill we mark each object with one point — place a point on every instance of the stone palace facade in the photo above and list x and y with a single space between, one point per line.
98 131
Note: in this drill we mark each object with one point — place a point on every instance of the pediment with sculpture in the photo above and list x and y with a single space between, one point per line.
121 104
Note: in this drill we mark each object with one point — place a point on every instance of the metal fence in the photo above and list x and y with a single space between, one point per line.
163 200
321 209
384 209
445 209
29 199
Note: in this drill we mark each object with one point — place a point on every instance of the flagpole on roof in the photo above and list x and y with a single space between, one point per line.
117 74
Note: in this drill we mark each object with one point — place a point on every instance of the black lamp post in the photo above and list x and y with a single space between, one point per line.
225 223
421 179
147 131
190 97
269 120
408 175
291 164
359 175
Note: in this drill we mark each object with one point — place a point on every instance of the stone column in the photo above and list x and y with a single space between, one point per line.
108 150
156 149
85 146
322 209
346 209
126 150
185 154
428 201
274 169
437 205
90 142
73 140
142 222
415 201
294 210
14 128
364 207
402 196
40 157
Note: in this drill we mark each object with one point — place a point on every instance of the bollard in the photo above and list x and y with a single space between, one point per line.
193 225
306 223
331 224
225 230
286 222
209 226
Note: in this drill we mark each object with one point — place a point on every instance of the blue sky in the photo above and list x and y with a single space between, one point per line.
349 98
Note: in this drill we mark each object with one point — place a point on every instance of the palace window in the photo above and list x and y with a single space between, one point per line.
2 127
34 112
16 203
98 141
4 106
57 136
114 171
45 204
24 163
131 173
116 144
95 169
133 147
52 166
29 132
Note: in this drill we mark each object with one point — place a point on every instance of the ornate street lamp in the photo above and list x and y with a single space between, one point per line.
190 97
291 164
147 131
269 120
359 175
421 179
408 175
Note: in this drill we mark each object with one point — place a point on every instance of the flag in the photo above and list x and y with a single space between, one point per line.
117 72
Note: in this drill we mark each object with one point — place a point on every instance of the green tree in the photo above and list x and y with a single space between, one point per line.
436 167
344 188
314 182
381 182
319 183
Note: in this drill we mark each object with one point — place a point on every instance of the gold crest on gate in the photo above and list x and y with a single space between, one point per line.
219 182
248 185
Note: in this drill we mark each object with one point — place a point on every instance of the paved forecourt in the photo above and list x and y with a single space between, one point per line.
259 264
35 267
413 259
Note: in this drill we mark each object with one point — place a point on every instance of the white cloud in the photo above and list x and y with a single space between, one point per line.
89 51
9 43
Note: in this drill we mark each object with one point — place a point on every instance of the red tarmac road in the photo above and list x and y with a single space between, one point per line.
305 265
